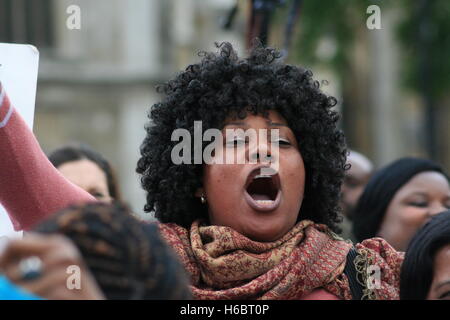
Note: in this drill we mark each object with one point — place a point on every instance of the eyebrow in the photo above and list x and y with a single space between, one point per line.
418 193
442 284
276 124
421 193
243 124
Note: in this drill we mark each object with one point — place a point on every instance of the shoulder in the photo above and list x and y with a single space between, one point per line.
381 249
379 264
319 294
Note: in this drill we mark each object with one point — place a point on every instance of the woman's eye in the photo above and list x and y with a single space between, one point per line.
419 204
282 142
235 142
98 195
351 182
445 296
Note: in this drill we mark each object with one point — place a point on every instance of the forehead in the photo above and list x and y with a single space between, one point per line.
429 182
83 173
358 170
359 164
273 117
442 264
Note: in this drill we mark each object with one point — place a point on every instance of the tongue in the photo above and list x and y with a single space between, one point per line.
256 196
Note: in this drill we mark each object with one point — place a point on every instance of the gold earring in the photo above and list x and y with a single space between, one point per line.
203 199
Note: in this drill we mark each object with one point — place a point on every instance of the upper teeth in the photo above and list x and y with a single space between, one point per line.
262 176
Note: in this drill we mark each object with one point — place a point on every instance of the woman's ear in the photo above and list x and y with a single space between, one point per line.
199 193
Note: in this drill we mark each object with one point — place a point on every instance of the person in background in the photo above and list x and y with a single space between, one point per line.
355 179
425 272
87 169
399 199
119 257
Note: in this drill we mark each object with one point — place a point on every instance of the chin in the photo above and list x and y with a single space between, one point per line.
269 236
266 230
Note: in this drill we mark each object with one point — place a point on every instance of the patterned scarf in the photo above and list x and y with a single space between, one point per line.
224 264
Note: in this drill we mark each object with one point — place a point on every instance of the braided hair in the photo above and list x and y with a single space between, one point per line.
128 258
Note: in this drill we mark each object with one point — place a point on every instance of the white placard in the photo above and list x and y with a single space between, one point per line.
18 73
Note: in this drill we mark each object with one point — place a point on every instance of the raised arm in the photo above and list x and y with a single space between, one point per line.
31 188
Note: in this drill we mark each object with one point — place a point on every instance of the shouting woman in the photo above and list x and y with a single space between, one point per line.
261 228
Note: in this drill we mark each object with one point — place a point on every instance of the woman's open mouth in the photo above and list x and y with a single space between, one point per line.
263 191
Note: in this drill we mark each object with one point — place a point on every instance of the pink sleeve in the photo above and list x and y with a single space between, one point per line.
30 187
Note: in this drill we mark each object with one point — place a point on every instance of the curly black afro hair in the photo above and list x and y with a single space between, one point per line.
222 85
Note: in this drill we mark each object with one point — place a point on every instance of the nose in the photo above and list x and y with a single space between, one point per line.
260 152
436 208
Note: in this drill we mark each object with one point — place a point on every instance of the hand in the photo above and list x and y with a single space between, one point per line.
57 254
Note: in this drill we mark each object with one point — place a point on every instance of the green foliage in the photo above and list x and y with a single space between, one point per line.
344 21
338 20
436 45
